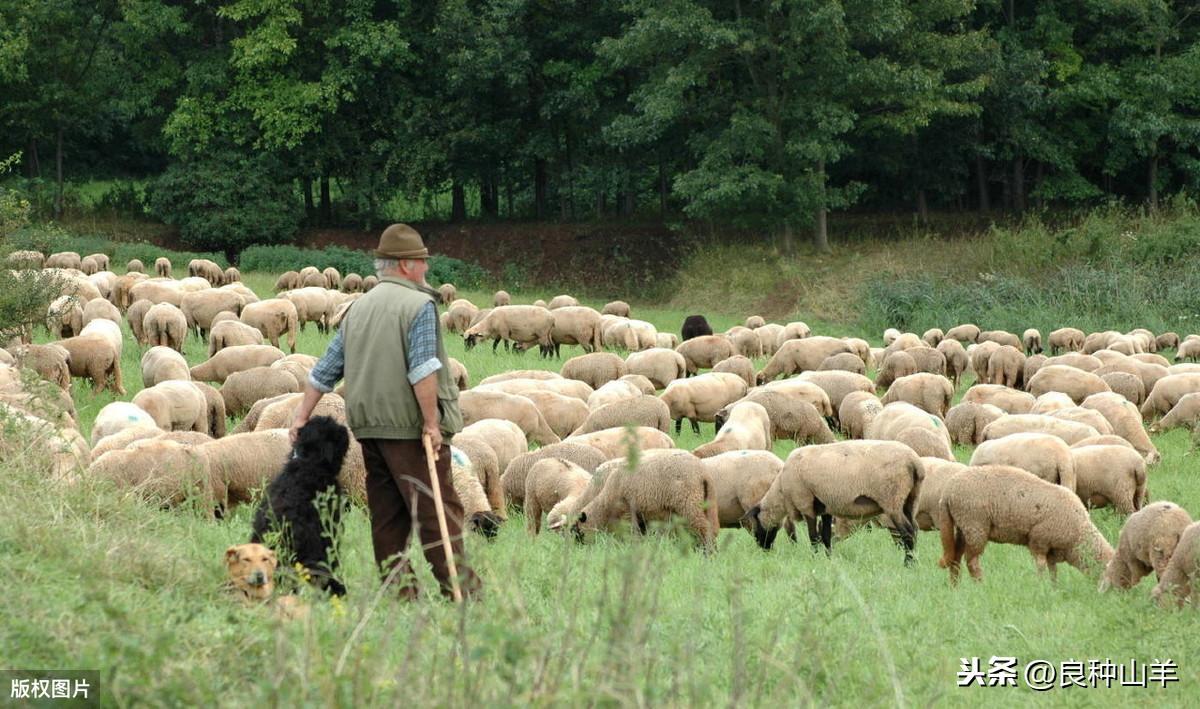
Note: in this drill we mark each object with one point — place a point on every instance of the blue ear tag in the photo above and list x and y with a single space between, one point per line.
458 458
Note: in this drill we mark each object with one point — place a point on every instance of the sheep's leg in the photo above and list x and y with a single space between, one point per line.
827 532
972 554
814 537
695 426
118 386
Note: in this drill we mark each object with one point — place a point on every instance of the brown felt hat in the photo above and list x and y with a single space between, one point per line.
401 241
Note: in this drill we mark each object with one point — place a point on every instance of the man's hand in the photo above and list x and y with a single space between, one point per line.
298 422
434 434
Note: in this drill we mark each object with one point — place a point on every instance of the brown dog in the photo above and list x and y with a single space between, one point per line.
251 569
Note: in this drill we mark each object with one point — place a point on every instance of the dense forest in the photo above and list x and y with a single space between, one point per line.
240 120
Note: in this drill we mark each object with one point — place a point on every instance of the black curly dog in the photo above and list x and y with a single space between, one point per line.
291 508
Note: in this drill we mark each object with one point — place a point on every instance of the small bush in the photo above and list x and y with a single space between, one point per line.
463 274
227 200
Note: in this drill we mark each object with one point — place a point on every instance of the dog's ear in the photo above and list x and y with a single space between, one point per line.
231 555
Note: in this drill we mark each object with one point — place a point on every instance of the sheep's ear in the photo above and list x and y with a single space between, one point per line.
582 518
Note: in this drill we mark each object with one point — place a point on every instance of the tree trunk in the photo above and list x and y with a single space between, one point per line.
1038 175
309 208
32 169
922 207
1018 184
789 242
985 204
508 197
58 159
1152 180
539 188
599 205
489 197
458 202
326 202
820 229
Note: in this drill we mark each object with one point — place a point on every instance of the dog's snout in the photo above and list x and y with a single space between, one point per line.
258 578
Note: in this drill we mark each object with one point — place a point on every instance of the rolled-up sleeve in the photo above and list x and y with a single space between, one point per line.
422 345
328 371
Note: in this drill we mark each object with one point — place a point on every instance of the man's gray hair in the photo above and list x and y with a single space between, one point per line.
386 265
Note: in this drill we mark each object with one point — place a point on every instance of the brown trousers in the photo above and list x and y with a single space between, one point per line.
399 495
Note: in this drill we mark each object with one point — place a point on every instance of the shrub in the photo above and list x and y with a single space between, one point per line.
227 200
24 297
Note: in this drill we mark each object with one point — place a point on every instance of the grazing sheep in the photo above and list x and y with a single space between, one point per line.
896 365
1050 402
666 340
202 306
231 275
747 427
926 443
505 438
744 341
1006 366
206 269
518 324
165 325
118 416
835 384
1128 386
230 333
594 369
369 282
64 317
242 389
927 359
1167 341
890 335
616 307
956 359
966 333
661 366
313 304
273 317
643 410
1032 364
1009 400
1078 414
699 398
1177 581
792 331
1046 456
1070 431
565 387
768 337
966 422
136 316
695 326
613 392
51 362
157 291
901 417
162 364
616 442
288 280
1125 421
478 404
937 472
554 485
738 365
1184 414
1000 337
246 462
978 356
1110 439
477 512
161 470
562 301
631 335
175 406
1167 392
661 487
542 374
844 361
483 462
1189 350
904 341
235 359
459 373
459 315
1148 358
64 259
931 392
1146 544
352 283
26 259
500 298
575 325
1097 341
1067 339
857 411
1075 383
802 355
852 479
100 309
1110 475
740 479
1007 505
933 336
563 414
515 473
92 356
643 384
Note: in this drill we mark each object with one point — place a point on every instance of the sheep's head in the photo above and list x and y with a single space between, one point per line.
471 339
760 378
486 523
752 522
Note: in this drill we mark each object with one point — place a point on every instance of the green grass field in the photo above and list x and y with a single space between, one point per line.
98 579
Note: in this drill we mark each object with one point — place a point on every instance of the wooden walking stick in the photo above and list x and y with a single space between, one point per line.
430 457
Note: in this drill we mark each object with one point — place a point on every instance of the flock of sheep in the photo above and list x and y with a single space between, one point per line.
1053 433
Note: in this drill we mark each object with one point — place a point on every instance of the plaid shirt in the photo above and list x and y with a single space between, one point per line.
422 353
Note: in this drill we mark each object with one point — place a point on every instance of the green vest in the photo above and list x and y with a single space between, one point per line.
380 402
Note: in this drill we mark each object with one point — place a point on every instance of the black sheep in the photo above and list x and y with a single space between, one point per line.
695 326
